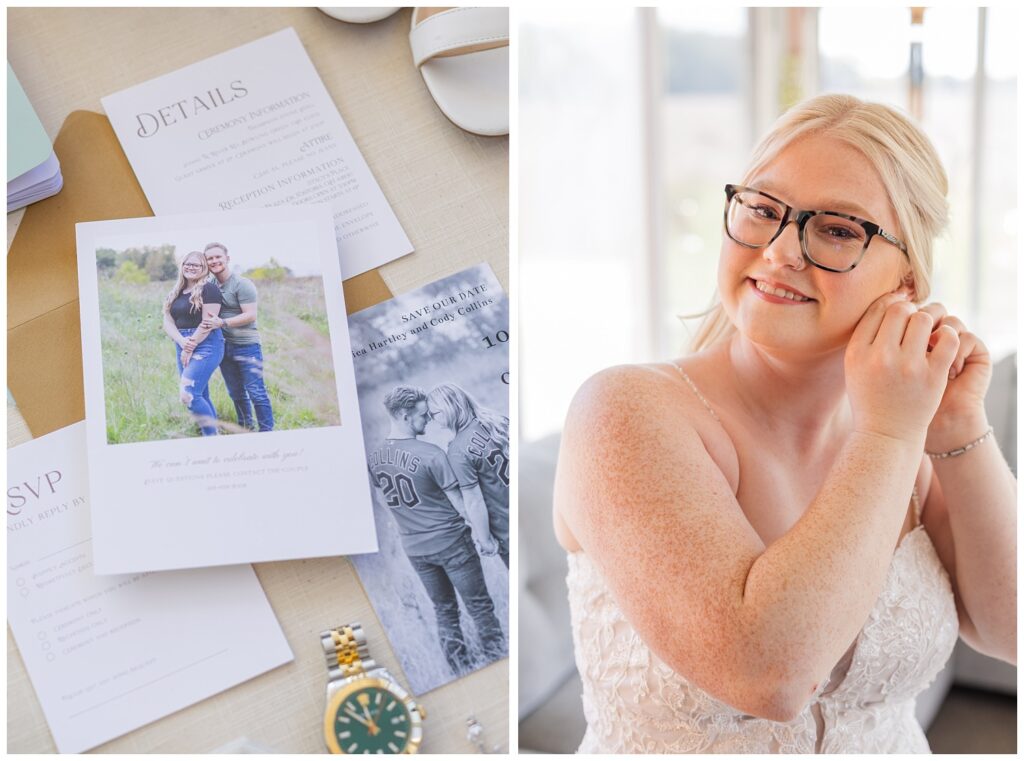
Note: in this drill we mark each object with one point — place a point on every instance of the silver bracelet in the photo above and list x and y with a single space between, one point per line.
961 450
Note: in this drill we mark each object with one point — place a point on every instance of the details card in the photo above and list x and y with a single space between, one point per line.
255 127
222 416
433 374
108 654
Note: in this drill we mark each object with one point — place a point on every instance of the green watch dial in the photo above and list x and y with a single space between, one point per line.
372 720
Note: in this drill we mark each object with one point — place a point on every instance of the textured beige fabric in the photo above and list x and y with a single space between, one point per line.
450 191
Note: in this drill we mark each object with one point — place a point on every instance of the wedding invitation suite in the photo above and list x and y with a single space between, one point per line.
108 654
252 127
222 417
433 374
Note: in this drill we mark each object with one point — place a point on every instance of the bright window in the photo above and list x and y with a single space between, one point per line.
975 259
632 121
581 221
704 125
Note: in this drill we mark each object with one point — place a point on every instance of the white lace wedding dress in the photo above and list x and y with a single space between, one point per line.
635 703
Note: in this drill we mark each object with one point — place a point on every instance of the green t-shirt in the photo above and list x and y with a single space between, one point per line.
236 291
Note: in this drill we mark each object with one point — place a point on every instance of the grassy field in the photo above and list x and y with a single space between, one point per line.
141 376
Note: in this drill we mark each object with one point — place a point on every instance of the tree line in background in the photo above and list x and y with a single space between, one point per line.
147 264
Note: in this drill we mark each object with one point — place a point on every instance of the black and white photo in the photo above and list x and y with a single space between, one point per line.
432 375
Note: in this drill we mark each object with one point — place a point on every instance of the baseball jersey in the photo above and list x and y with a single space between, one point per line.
411 477
476 458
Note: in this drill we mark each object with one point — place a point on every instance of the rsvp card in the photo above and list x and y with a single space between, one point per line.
108 654
237 442
254 127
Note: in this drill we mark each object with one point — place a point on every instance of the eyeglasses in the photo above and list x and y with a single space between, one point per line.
191 266
829 240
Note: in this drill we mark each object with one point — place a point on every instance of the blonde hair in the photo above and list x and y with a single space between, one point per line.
196 297
459 410
911 171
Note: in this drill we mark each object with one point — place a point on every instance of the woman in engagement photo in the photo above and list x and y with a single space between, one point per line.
775 541
479 455
199 349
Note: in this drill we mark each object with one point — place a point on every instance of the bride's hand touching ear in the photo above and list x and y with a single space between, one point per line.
961 414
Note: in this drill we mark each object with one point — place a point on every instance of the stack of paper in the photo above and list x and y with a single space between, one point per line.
33 172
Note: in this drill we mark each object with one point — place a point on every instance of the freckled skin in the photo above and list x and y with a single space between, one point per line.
753 625
748 554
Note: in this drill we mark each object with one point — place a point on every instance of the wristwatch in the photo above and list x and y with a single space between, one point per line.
367 710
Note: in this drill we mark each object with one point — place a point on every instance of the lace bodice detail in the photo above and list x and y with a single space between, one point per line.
635 703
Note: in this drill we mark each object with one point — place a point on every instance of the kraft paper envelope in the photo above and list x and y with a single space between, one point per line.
44 345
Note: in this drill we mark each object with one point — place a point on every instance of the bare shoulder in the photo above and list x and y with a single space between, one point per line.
632 407
620 391
621 378
605 414
633 440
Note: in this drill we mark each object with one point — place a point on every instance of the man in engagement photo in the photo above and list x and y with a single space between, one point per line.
242 366
440 538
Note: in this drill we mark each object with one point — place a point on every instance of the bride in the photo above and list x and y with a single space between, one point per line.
775 541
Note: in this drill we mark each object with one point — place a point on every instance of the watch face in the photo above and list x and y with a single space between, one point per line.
368 717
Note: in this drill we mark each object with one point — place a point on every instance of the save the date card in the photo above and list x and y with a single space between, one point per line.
432 372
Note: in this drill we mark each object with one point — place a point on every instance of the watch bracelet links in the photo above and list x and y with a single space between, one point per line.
346 652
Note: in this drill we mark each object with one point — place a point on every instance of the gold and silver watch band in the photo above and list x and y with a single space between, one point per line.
346 652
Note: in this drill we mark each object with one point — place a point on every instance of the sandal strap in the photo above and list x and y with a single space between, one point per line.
457 28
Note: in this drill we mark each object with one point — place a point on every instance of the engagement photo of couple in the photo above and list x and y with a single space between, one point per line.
227 338
210 314
450 507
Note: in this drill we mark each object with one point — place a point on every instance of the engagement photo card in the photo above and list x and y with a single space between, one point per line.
108 654
432 369
255 127
221 408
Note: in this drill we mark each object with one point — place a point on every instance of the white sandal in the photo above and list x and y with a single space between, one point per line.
462 54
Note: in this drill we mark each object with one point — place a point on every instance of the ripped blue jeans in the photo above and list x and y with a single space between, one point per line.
195 379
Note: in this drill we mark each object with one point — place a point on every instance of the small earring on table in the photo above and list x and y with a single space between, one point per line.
475 736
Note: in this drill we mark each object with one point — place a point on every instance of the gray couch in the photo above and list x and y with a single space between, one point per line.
550 712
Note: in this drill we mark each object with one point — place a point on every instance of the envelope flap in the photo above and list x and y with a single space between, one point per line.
44 350
98 184
44 370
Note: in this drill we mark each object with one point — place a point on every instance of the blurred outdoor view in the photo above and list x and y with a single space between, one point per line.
625 156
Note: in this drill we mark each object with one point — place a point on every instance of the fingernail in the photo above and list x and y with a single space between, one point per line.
952 373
